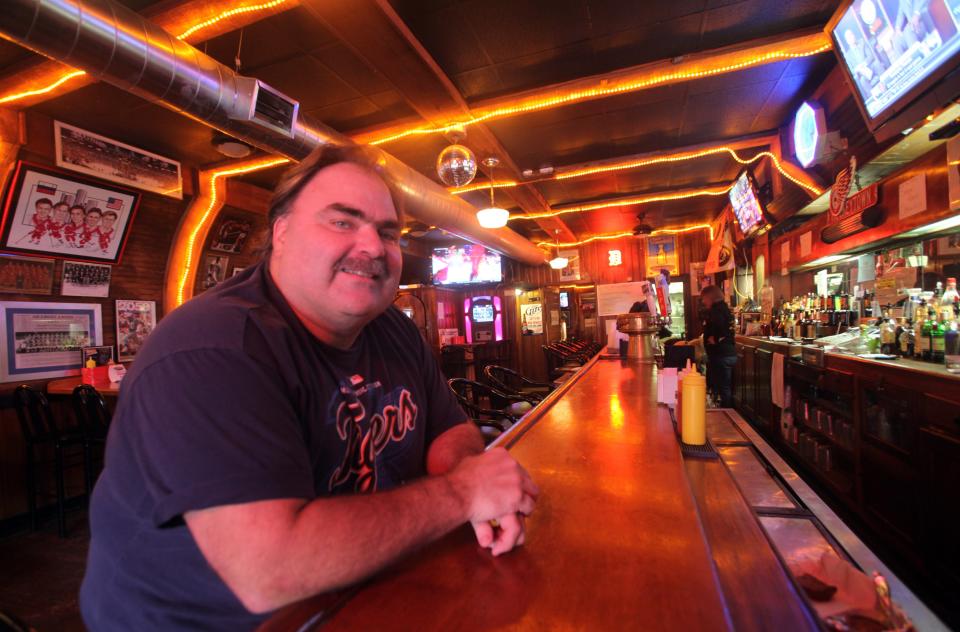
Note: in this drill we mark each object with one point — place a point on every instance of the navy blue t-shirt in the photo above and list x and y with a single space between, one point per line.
231 400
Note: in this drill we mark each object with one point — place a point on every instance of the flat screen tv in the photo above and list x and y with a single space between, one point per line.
564 300
466 264
745 200
900 56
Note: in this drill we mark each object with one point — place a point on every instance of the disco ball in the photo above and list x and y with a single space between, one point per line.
456 166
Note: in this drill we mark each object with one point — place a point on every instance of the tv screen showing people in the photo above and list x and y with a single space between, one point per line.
746 204
469 263
890 46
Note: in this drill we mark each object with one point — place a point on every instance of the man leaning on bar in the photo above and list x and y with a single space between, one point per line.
288 432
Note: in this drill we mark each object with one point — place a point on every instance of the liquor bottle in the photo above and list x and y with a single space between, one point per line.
951 299
888 337
951 343
907 341
937 331
928 326
918 325
901 324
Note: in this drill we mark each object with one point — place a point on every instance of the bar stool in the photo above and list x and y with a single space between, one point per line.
509 381
93 417
39 430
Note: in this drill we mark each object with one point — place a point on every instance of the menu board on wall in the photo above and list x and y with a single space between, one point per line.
617 298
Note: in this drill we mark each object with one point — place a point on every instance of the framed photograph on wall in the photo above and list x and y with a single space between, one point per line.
230 235
102 157
215 270
135 321
52 212
44 340
101 356
26 275
85 279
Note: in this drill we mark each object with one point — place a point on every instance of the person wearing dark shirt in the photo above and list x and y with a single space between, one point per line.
718 342
288 432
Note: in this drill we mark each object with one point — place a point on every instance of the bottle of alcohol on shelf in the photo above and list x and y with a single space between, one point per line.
937 331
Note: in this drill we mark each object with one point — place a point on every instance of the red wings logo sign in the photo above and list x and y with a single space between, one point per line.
841 188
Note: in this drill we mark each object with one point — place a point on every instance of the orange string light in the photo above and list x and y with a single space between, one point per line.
628 201
203 221
187 33
659 231
600 91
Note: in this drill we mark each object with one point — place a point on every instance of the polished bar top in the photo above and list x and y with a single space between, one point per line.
616 541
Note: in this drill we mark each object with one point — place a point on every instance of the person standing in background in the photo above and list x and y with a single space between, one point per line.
718 342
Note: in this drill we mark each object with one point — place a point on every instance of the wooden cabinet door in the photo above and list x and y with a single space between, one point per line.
941 507
763 365
891 495
889 416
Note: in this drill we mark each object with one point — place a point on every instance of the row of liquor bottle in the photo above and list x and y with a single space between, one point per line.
932 334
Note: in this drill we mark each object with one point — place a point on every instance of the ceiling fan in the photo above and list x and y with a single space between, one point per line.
642 229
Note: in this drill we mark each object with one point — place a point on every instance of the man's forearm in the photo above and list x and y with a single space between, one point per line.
452 447
297 549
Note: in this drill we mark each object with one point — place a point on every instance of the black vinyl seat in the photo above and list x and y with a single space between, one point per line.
40 430
487 406
509 381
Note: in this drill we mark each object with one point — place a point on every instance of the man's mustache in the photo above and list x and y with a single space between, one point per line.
366 265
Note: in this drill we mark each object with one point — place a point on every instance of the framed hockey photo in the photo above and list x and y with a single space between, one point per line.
102 157
47 211
85 279
26 275
44 340
135 321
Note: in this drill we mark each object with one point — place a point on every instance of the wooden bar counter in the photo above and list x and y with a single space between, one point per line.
616 541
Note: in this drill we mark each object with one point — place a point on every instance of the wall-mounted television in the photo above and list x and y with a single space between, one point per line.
564 300
747 208
470 263
901 58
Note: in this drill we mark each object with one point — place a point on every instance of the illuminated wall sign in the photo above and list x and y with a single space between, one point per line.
615 258
809 133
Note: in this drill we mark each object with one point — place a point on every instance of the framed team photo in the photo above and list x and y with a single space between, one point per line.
47 211
85 279
135 321
26 275
45 340
102 157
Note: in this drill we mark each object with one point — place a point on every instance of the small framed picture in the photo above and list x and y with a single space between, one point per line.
85 279
101 356
215 270
26 275
135 321
52 212
237 271
230 235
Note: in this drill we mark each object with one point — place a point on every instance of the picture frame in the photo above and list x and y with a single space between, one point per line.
86 279
230 235
135 320
214 270
26 275
102 355
661 254
47 211
108 159
44 340
237 271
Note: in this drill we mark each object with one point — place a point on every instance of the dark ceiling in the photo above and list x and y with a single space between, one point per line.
496 48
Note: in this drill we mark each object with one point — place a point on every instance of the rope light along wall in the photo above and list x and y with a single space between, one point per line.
201 222
602 90
182 36
607 236
645 162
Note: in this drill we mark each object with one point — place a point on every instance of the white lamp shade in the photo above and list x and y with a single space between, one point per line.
493 217
559 263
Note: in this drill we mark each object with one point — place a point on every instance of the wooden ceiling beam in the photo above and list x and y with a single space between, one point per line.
715 62
175 18
375 33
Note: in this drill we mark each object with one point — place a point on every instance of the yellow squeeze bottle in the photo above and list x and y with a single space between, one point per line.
693 431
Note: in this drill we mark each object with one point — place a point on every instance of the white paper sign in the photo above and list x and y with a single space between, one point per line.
532 318
913 195
806 243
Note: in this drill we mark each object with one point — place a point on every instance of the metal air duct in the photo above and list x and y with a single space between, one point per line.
118 46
